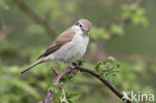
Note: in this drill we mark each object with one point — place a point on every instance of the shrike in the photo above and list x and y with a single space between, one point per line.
68 46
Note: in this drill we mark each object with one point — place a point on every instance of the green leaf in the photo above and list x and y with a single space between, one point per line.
54 88
108 69
135 13
99 33
117 29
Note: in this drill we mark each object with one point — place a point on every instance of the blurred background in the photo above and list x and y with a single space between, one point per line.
124 29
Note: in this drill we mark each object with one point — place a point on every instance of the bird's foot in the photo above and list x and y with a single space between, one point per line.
75 64
78 63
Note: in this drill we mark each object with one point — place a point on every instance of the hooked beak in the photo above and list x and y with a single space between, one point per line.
85 30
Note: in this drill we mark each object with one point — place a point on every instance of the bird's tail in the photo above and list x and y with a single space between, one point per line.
32 65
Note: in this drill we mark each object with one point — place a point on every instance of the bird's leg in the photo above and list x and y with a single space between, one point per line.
75 64
79 63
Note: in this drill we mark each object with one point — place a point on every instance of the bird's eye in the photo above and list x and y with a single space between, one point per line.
80 25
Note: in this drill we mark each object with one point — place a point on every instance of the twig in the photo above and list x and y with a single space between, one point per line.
122 23
59 76
49 96
12 28
38 19
109 22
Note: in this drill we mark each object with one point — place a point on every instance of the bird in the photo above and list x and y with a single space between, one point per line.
68 47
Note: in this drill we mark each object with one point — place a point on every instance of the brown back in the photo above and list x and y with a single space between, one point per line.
62 39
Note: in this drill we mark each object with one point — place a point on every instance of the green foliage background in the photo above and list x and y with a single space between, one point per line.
133 47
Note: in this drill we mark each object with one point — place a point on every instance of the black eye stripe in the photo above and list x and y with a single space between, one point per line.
77 23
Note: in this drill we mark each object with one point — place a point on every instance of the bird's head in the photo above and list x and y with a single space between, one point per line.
84 25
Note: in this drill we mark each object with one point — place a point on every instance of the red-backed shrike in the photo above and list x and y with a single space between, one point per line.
68 46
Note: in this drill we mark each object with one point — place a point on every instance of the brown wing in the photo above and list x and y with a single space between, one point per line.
64 38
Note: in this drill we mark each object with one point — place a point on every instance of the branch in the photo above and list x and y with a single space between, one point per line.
122 23
103 80
49 96
109 22
38 19
12 28
50 93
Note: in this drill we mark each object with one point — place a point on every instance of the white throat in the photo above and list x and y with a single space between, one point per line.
76 28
